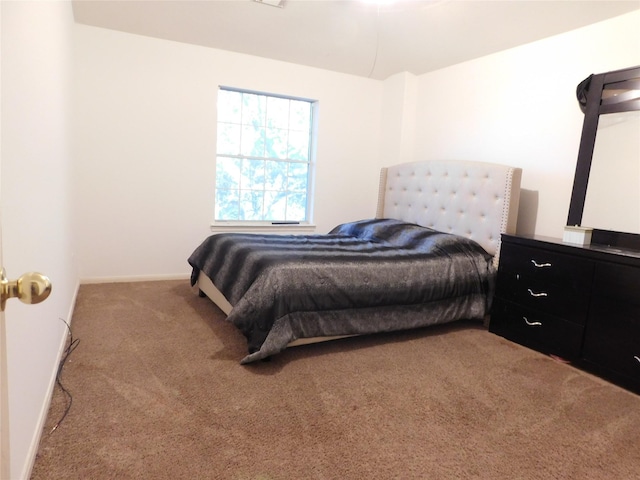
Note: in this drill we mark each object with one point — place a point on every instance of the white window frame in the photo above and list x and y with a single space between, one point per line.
307 225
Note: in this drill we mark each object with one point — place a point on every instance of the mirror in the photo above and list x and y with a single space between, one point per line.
613 191
606 189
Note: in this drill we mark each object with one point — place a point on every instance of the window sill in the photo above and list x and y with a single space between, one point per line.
262 227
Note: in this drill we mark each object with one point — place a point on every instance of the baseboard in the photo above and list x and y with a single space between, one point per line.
135 278
42 418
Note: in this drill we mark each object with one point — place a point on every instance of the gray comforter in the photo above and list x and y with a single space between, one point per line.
363 277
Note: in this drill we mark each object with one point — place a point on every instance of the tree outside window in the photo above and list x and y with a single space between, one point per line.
264 157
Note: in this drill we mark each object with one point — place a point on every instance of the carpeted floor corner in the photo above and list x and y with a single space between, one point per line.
158 393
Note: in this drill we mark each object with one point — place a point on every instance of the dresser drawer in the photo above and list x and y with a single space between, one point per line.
541 331
548 282
553 299
620 283
543 267
612 339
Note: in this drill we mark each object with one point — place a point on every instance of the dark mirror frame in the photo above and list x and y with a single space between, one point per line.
594 102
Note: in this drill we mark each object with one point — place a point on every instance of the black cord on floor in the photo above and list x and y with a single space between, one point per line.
70 348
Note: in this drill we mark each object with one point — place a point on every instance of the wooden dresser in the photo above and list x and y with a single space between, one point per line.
579 303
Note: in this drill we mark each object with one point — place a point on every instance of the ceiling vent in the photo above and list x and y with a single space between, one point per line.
273 3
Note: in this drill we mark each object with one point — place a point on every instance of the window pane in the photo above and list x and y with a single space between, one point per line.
298 145
228 173
252 141
275 205
277 112
300 118
251 205
229 106
276 143
297 180
275 175
228 139
296 207
253 109
227 205
252 174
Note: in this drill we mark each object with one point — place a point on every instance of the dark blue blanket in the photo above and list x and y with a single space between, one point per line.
367 276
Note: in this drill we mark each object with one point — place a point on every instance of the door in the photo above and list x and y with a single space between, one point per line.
4 391
37 201
29 288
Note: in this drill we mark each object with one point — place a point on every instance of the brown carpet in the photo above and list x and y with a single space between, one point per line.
158 393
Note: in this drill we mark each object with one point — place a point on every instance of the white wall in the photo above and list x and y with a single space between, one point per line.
146 138
519 107
37 214
399 118
146 145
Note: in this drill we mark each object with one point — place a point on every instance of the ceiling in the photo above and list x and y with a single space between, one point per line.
353 36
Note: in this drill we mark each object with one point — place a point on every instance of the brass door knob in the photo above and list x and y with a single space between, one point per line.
30 288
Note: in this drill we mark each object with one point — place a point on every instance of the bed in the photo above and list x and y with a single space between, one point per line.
428 257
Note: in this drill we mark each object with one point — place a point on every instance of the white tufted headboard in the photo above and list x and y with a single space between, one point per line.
471 199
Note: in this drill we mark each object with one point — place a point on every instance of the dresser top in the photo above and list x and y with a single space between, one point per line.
595 251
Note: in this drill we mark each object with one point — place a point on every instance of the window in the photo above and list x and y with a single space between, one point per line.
264 157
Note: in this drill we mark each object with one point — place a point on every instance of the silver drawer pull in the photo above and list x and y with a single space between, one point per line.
541 294
637 358
532 324
540 265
